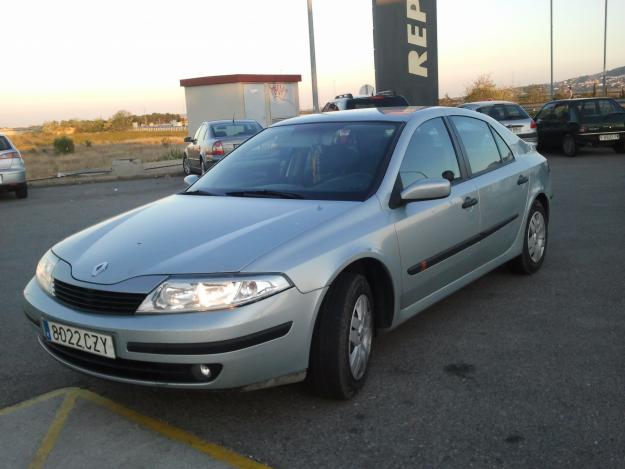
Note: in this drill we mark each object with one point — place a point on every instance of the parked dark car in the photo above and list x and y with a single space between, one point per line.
573 123
213 140
344 102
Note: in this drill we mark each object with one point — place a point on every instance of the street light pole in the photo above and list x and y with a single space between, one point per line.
551 33
605 43
313 62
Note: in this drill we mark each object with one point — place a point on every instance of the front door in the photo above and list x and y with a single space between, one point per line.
435 236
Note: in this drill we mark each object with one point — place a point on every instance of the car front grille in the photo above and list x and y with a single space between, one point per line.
97 301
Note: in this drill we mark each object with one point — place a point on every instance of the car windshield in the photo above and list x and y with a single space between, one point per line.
504 112
235 129
4 144
323 161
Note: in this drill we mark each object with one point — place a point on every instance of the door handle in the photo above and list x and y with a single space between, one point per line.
522 180
469 202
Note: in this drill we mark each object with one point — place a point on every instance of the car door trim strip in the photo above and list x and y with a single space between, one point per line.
441 256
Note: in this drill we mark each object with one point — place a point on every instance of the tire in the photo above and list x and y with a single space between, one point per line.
569 147
341 347
620 147
534 250
22 191
186 167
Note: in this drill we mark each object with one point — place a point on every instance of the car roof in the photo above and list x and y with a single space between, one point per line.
577 100
476 104
377 114
230 121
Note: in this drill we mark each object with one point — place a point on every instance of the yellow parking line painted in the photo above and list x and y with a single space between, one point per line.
173 433
214 451
35 400
54 430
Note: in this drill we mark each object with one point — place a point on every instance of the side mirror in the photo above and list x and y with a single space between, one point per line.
190 180
426 189
188 139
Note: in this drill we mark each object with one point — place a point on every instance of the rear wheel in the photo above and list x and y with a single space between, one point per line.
22 191
569 147
535 241
343 338
186 167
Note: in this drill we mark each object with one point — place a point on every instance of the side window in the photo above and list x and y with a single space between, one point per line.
430 154
561 113
478 142
504 149
546 113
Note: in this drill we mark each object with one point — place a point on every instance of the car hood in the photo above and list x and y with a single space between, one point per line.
184 234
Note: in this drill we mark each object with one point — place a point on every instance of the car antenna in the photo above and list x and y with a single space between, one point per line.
233 118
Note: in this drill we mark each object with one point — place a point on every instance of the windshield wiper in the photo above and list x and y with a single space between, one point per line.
265 193
196 192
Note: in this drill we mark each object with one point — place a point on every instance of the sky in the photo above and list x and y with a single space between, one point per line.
79 59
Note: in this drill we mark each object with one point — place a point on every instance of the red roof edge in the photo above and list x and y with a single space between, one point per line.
240 78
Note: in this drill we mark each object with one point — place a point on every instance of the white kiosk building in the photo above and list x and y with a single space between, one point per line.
264 98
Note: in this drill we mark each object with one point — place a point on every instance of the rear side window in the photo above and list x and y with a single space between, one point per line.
478 143
504 149
199 132
430 154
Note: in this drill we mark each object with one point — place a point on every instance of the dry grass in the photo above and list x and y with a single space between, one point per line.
104 147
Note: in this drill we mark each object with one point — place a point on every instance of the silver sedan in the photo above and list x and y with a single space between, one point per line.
509 114
315 235
12 172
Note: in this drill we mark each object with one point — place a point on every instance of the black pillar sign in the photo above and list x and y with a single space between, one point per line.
405 49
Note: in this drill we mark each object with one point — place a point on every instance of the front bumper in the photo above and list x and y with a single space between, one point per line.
148 347
12 178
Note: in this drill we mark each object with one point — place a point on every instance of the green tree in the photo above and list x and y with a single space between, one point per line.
121 120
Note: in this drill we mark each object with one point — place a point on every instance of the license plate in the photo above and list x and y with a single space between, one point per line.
608 137
516 130
79 339
0 178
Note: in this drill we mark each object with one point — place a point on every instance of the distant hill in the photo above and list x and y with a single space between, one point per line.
584 84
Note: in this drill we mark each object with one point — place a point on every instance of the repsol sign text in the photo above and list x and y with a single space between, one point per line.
405 49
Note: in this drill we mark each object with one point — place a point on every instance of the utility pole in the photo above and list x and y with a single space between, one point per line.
551 32
313 62
605 44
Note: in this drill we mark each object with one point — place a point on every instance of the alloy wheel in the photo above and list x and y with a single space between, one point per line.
360 336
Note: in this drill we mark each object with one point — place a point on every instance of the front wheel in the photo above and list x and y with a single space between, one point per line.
186 167
343 338
535 241
569 147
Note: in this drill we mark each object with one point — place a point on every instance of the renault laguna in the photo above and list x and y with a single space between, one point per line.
285 260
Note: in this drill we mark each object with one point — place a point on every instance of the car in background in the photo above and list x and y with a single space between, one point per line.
12 172
213 140
509 114
569 124
347 101
284 260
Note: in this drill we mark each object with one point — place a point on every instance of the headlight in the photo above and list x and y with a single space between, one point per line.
181 295
44 271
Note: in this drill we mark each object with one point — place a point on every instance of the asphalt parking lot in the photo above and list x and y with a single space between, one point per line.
511 371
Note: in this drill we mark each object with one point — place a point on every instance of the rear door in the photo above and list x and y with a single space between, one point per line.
502 183
435 236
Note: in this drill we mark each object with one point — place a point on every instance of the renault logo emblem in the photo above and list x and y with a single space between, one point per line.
98 269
